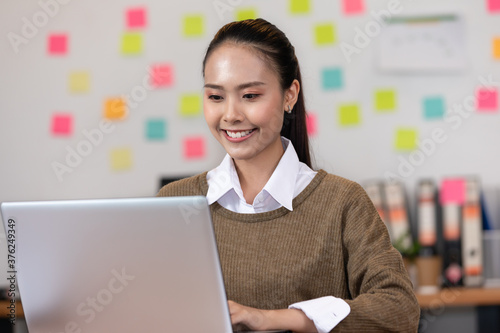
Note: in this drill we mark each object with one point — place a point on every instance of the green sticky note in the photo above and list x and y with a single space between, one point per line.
324 34
131 43
190 105
433 107
349 115
155 129
385 100
406 139
300 6
193 26
245 14
332 78
121 159
79 82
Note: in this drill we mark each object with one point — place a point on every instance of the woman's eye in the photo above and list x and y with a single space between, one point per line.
250 96
215 97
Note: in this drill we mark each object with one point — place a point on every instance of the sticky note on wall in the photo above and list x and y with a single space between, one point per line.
115 108
193 26
79 82
311 123
405 139
62 124
57 44
332 78
487 99
131 43
299 6
349 115
496 48
324 34
121 159
352 7
433 107
194 147
162 75
452 191
245 14
494 6
136 18
190 105
156 129
385 100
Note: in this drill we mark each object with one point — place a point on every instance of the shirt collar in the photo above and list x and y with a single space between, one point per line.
280 186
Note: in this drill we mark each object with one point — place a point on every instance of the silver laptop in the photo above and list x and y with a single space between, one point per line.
118 265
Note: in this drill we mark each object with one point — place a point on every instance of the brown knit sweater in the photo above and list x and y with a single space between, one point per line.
332 243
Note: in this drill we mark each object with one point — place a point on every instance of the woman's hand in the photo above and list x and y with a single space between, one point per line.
260 320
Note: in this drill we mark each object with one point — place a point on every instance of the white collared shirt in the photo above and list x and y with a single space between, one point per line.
288 179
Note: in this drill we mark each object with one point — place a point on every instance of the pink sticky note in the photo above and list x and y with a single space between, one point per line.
452 191
162 75
487 99
194 147
494 5
353 6
58 44
62 124
311 123
136 18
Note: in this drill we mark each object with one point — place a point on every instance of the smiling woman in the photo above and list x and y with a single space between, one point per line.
300 249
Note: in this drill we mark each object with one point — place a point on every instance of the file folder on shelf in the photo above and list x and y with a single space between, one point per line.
472 249
398 217
374 191
427 218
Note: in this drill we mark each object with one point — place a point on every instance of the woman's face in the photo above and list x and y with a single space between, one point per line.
243 103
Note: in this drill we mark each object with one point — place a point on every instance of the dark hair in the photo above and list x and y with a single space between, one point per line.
273 44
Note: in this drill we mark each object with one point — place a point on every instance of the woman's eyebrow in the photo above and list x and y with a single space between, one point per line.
239 87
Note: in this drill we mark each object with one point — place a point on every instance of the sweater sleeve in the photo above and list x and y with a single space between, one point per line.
382 294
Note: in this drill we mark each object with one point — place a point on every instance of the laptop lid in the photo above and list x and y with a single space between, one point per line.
118 265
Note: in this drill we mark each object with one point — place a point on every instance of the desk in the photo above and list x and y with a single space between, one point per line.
445 297
4 311
460 297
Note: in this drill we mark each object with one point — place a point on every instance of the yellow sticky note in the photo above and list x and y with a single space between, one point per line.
300 6
121 159
349 115
115 108
245 14
193 25
406 139
131 43
385 100
190 105
324 34
79 82
496 48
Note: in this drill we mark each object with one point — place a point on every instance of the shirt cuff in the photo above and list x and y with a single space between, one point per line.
326 312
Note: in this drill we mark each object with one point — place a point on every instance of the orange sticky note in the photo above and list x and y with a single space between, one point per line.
136 18
496 48
194 147
57 44
115 108
353 6
312 124
121 159
62 124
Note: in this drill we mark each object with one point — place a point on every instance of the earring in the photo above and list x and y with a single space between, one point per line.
289 109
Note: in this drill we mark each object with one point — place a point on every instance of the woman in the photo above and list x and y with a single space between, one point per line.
300 250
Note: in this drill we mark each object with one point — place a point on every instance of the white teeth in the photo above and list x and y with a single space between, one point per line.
238 134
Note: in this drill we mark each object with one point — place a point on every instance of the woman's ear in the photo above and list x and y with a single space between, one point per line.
292 94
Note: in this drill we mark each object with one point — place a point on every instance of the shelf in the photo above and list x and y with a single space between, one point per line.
460 297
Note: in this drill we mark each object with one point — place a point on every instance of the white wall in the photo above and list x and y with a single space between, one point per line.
34 85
